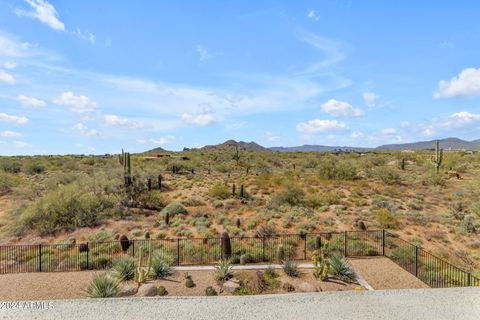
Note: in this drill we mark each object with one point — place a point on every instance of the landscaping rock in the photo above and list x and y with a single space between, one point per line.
231 285
307 287
288 287
147 290
127 290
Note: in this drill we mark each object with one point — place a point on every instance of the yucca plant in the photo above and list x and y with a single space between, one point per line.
124 269
102 285
341 269
223 270
290 268
161 267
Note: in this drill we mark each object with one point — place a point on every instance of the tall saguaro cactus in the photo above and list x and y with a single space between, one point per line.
127 168
438 157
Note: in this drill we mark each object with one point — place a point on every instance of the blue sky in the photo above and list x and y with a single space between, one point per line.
98 76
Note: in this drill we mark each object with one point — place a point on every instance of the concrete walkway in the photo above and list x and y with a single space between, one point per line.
424 304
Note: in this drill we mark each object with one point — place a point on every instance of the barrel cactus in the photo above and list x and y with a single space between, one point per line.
124 243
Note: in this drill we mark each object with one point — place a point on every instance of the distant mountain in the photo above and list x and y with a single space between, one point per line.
230 144
446 144
155 152
317 148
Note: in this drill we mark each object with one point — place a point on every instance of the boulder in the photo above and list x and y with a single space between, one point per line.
127 290
231 285
307 287
147 290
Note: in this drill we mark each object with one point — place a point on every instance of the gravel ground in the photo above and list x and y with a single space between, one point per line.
379 272
383 273
422 304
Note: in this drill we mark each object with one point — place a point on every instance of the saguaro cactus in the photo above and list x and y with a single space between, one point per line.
160 182
242 191
438 157
226 246
127 168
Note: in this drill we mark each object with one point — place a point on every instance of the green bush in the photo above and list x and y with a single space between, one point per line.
385 219
162 291
291 194
341 269
124 268
334 168
220 190
290 268
34 167
161 266
66 209
173 209
102 285
387 175
10 166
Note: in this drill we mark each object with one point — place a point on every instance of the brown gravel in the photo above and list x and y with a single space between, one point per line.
383 273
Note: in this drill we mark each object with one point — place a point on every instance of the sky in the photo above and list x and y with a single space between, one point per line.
93 77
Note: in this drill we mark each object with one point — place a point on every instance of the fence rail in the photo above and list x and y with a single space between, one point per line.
430 269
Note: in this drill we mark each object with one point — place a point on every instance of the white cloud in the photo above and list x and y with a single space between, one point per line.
6 77
203 53
370 99
78 104
454 123
320 126
163 140
117 121
9 65
271 137
388 131
30 102
141 141
22 144
44 12
340 109
203 118
11 48
85 35
9 134
312 14
13 119
84 130
466 84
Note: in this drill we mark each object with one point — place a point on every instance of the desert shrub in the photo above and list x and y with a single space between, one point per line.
124 268
291 194
10 166
102 285
67 208
290 268
331 168
209 291
102 262
271 273
34 167
386 219
223 270
173 209
161 266
152 200
387 175
220 190
433 179
7 181
341 269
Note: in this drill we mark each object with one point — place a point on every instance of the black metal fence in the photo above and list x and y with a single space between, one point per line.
183 251
430 269
434 271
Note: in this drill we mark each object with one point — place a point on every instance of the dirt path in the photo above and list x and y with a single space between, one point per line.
383 273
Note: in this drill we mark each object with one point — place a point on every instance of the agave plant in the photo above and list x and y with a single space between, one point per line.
161 266
341 269
223 270
102 285
124 269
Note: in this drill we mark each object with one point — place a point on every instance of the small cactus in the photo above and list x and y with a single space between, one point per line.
147 235
237 222
160 182
243 259
226 246
242 191
233 189
124 243
437 159
83 247
167 218
149 184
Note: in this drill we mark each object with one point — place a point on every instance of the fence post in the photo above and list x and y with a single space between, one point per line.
305 248
416 261
469 279
263 249
345 244
88 251
178 251
383 242
40 258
